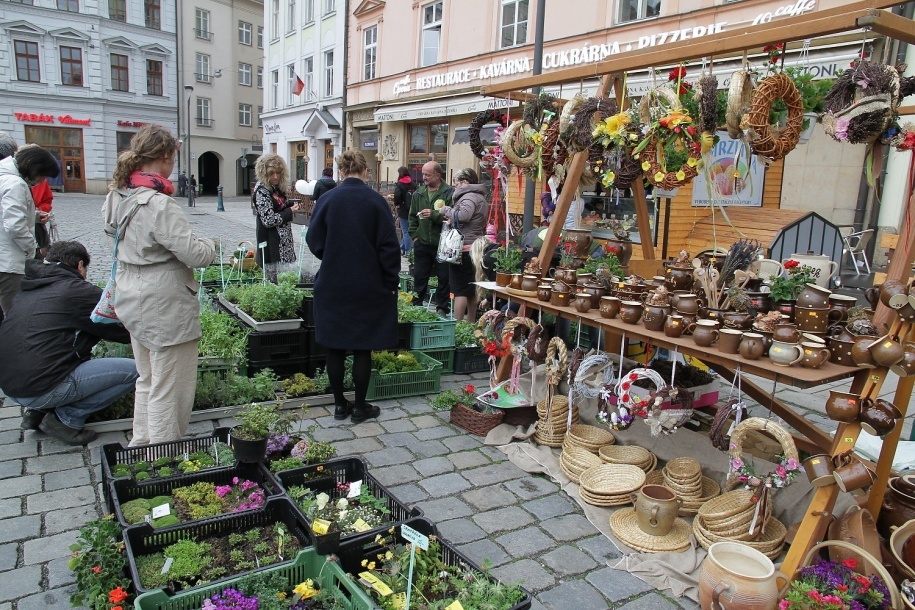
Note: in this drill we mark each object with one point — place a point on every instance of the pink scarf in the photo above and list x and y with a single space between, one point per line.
150 180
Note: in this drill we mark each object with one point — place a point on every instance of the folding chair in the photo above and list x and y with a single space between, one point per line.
855 245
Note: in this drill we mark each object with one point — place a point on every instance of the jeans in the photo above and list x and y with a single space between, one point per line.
406 244
90 387
424 265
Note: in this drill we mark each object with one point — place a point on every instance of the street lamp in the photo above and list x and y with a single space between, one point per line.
306 159
380 158
188 92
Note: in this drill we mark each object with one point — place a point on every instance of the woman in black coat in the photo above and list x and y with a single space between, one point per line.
355 293
274 214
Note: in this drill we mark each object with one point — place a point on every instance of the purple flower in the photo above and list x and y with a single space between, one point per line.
277 442
230 599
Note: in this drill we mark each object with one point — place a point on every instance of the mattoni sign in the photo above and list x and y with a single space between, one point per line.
410 112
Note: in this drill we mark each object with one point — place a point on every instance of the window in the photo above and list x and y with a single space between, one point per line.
71 66
432 33
27 62
371 52
202 71
152 11
275 89
67 5
120 76
28 2
260 111
329 6
123 139
244 33
202 24
117 10
328 73
244 115
153 77
429 138
244 74
260 37
275 20
633 10
514 22
308 11
309 77
290 16
291 82
204 119
260 77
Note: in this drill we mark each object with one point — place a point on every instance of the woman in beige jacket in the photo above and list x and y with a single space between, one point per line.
156 297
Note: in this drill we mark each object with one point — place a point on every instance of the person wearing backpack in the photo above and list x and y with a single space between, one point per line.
403 197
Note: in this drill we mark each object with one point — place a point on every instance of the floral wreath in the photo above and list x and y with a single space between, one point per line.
489 334
862 103
742 473
616 136
489 156
673 126
659 418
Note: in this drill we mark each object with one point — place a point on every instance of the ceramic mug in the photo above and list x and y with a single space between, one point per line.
630 311
786 333
893 294
654 317
674 326
543 292
729 340
852 476
839 304
879 417
886 351
582 302
516 281
609 307
844 407
751 346
785 354
814 355
906 366
689 303
812 320
819 470
814 297
705 332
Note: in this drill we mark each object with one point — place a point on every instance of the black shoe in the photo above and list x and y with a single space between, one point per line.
31 418
71 436
366 412
343 411
443 312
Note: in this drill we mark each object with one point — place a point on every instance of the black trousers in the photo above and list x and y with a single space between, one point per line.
424 265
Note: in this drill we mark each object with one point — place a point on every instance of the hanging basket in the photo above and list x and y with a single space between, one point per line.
474 421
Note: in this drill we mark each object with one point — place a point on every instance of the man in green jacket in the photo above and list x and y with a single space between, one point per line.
425 230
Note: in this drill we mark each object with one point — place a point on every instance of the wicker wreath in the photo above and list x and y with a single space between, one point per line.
659 419
659 175
537 341
551 144
557 360
585 120
534 108
516 146
740 98
518 328
659 97
476 125
565 117
862 103
742 474
489 325
765 139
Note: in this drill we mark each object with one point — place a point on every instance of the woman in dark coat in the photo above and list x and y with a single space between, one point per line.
355 293
274 215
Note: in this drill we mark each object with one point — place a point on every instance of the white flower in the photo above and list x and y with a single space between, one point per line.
322 499
342 503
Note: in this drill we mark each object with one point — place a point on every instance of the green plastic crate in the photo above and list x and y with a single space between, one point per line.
414 383
445 356
308 564
433 335
406 282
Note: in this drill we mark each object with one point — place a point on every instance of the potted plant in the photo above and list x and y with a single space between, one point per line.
325 515
784 289
506 260
466 412
256 422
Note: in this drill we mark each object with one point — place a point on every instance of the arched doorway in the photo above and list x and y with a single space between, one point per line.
246 177
208 164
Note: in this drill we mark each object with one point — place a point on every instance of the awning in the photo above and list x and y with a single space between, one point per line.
439 107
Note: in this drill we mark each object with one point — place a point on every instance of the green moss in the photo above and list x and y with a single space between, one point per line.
165 471
166 521
142 475
159 501
286 464
162 461
141 467
134 514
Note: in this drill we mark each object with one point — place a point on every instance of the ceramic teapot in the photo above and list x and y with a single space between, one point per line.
822 267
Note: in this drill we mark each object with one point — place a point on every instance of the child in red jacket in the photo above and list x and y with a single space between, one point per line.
42 195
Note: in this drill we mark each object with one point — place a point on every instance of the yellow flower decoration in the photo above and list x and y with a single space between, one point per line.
691 162
389 555
371 565
364 563
608 179
659 177
681 175
306 589
707 141
538 139
646 166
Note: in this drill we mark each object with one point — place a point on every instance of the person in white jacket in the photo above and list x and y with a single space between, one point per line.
18 173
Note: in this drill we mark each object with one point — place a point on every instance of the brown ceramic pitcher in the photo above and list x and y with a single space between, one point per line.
844 407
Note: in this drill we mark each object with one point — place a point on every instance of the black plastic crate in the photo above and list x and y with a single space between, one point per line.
404 330
346 470
144 540
470 360
364 547
315 348
308 311
125 490
314 363
277 345
282 368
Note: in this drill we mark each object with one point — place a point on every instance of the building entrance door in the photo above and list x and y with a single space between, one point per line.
329 155
66 144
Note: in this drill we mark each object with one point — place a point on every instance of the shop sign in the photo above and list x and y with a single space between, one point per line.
733 182
412 112
65 119
131 123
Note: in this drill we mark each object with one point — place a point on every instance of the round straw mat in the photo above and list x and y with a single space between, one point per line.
560 403
728 525
578 459
710 489
692 481
727 505
604 501
625 525
574 475
612 479
705 543
691 491
771 541
591 438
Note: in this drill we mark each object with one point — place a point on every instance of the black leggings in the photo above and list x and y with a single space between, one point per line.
362 370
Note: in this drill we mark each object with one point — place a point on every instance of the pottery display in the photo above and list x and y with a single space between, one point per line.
582 302
705 332
813 320
729 340
852 476
843 407
596 291
503 279
839 304
674 326
814 297
581 238
906 366
815 354
689 303
738 577
544 291
529 283
860 352
751 346
631 311
653 317
841 352
786 333
886 351
656 508
879 417
785 354
819 470
822 268
609 307
679 278
737 319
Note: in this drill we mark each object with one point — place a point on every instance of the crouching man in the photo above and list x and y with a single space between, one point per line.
46 342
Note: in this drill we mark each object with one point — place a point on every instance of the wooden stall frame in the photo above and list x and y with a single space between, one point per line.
867 382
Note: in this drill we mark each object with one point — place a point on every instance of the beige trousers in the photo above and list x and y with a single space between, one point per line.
165 392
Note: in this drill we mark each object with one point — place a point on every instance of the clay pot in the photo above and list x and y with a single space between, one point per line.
689 303
624 249
785 354
679 278
529 283
814 297
705 332
516 280
893 294
786 308
713 314
564 274
729 340
654 316
543 292
751 346
581 238
609 307
886 351
841 352
852 476
656 507
786 333
737 319
839 304
674 326
879 417
767 338
582 302
906 366
811 320
675 297
815 354
583 278
898 507
843 407
596 291
760 302
631 311
860 353
737 577
819 470
561 296
503 279
688 319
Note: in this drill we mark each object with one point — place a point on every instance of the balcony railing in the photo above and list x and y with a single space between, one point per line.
204 122
203 34
203 78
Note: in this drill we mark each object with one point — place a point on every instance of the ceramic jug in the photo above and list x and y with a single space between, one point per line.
844 407
656 507
886 351
654 316
674 326
751 346
822 268
582 302
815 354
581 238
543 292
609 307
689 304
529 283
785 354
737 577
515 283
813 296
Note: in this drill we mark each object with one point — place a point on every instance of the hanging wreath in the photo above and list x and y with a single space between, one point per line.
476 125
569 110
740 98
658 102
670 130
557 360
768 140
536 107
665 409
708 104
488 334
584 124
862 103
519 150
611 155
552 153
741 473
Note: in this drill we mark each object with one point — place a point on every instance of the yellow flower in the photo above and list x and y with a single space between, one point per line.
708 140
691 162
646 166
389 555
659 177
306 589
371 565
608 179
613 125
538 139
379 556
281 595
681 175
364 563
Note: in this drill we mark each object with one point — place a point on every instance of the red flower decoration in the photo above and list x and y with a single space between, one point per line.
851 562
470 389
633 376
626 385
96 569
117 595
677 73
625 397
791 264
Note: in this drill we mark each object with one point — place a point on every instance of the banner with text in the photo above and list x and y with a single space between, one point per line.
737 180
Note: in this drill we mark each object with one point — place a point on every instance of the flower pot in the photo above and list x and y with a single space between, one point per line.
248 452
624 249
810 123
327 544
503 279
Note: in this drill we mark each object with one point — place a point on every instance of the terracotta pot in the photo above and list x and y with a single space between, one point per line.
624 249
860 353
530 283
898 507
785 354
786 333
841 352
689 303
839 304
515 283
596 291
582 302
815 354
631 311
786 308
886 351
734 576
811 320
609 307
819 470
737 319
679 278
560 299
503 279
906 366
729 340
564 274
581 238
751 346
653 317
583 278
879 417
843 407
656 507
814 297
705 332
674 326
543 292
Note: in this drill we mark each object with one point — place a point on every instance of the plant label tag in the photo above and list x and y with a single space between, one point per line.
399 600
411 535
147 518
372 581
355 488
455 606
361 526
186 456
167 566
160 511
320 526
263 244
